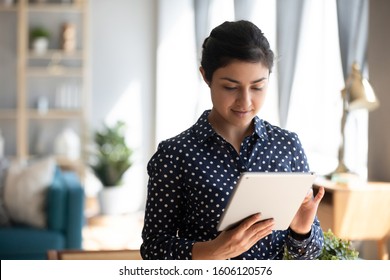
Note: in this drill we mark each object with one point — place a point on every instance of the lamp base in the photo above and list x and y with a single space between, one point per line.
343 176
341 169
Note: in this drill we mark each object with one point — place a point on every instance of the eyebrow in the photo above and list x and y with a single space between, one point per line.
237 82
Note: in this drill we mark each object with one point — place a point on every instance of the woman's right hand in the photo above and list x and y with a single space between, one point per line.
231 243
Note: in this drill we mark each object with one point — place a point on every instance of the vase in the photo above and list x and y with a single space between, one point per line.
40 45
67 144
116 200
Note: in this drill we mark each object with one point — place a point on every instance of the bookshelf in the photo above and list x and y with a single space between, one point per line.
45 92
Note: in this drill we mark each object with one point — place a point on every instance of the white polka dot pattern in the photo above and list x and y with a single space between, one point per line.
191 177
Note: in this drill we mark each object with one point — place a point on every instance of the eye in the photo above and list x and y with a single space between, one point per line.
230 88
258 88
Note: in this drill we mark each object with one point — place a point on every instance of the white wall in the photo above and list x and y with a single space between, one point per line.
123 47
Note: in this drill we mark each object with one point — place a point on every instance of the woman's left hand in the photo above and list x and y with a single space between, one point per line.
304 218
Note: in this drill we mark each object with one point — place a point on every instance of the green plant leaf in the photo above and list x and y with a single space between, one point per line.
39 31
112 157
334 249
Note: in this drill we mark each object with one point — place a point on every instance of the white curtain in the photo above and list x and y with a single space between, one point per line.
177 70
289 18
315 105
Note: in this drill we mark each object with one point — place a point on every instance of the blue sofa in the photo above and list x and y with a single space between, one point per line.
65 219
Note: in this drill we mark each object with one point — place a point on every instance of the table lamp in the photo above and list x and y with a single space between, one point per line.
357 94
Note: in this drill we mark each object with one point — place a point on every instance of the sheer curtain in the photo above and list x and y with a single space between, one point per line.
315 105
289 17
176 70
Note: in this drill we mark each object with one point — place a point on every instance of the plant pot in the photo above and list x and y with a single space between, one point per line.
116 200
40 45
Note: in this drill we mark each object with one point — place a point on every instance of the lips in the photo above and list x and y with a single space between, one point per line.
241 113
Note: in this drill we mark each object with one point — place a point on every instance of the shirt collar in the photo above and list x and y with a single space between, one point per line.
260 128
204 130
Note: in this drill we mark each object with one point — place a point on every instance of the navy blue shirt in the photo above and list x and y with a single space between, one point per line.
191 177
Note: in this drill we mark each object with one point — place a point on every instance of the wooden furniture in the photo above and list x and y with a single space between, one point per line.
357 211
94 255
44 93
113 232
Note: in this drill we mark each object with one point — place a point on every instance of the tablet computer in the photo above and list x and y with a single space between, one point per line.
276 195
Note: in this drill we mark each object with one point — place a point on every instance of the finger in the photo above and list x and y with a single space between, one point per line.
263 226
308 196
261 230
249 222
319 195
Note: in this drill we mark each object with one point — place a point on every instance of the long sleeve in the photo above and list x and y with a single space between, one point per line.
164 211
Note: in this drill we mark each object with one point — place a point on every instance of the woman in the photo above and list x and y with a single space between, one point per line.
192 175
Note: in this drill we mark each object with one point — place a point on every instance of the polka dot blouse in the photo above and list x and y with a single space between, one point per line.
191 177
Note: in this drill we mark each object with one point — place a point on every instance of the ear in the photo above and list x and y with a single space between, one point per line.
204 75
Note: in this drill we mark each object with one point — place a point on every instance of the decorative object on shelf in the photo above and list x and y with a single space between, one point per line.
357 94
68 37
39 37
42 105
110 160
67 144
67 97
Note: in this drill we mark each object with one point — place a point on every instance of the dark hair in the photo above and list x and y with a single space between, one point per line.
240 40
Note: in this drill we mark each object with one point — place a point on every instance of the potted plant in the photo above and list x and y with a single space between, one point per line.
39 37
112 157
334 248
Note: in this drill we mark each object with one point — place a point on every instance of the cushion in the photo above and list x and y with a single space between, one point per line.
4 219
25 191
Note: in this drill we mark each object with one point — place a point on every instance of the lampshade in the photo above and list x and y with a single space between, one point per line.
358 92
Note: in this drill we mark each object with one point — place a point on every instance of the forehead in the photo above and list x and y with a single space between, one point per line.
242 71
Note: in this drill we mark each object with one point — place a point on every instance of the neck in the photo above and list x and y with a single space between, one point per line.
231 133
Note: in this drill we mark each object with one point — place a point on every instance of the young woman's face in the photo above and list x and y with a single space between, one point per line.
238 91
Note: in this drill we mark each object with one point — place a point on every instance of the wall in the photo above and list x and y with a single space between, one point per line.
379 131
123 47
379 68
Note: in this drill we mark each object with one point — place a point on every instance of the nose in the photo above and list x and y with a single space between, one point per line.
244 98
